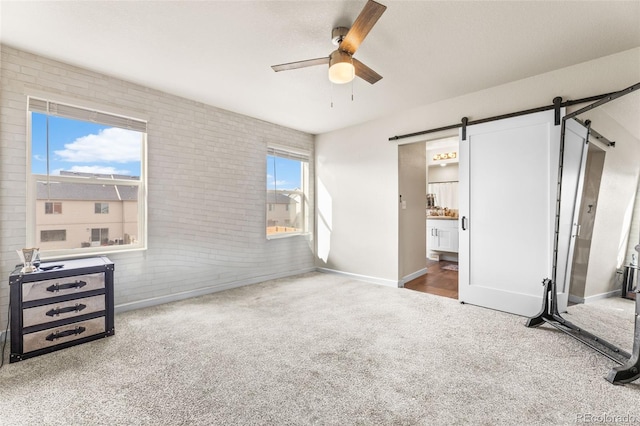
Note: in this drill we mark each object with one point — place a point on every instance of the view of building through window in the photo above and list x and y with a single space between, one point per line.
53 208
85 181
286 199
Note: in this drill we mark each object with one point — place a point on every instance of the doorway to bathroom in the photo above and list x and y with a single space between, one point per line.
437 178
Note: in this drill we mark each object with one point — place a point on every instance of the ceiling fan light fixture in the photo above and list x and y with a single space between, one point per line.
341 69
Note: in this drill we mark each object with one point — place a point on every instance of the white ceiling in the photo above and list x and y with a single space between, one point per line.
220 52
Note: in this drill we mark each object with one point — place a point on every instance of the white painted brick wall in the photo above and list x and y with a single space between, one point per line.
206 184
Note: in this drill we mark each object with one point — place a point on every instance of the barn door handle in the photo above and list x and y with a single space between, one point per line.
463 221
57 287
66 333
77 308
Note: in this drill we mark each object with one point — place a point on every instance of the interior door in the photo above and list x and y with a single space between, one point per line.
508 185
576 147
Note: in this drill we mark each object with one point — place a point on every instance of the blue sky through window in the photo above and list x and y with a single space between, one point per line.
80 146
283 174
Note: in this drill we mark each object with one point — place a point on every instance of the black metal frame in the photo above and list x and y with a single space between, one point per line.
557 105
629 369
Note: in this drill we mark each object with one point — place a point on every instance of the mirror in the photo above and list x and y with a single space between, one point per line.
443 195
606 223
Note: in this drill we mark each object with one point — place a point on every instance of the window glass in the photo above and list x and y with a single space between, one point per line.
52 208
70 145
101 208
96 171
53 235
100 236
286 195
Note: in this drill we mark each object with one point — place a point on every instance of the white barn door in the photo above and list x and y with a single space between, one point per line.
508 185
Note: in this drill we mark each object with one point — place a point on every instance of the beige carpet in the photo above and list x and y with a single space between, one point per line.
316 349
610 319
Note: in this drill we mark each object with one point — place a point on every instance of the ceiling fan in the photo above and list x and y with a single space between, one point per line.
343 67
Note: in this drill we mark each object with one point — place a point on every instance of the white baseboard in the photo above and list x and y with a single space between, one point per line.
374 280
575 299
449 257
442 255
412 276
146 303
590 299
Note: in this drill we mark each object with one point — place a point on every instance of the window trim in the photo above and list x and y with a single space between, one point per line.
31 182
304 157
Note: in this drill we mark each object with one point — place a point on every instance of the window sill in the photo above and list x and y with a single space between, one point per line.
289 235
87 252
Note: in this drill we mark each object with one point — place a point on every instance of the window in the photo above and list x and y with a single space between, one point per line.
287 192
53 235
100 236
101 208
94 163
52 208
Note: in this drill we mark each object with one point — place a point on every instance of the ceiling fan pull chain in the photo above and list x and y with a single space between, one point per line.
354 70
331 85
352 90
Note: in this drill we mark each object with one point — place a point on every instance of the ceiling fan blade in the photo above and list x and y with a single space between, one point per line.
362 25
301 64
366 73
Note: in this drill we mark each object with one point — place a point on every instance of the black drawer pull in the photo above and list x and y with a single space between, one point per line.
77 308
57 287
61 334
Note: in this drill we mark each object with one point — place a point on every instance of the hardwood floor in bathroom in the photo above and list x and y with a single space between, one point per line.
441 282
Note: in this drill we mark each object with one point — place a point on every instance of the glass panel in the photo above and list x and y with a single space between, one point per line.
285 197
72 161
101 208
52 208
81 147
118 217
53 235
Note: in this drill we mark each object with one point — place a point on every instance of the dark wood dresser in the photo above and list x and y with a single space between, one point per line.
63 304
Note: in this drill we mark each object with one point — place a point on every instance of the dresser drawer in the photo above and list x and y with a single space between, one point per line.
62 310
62 334
62 286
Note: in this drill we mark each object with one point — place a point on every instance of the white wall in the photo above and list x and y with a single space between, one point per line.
449 173
412 170
357 165
206 185
357 205
614 207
